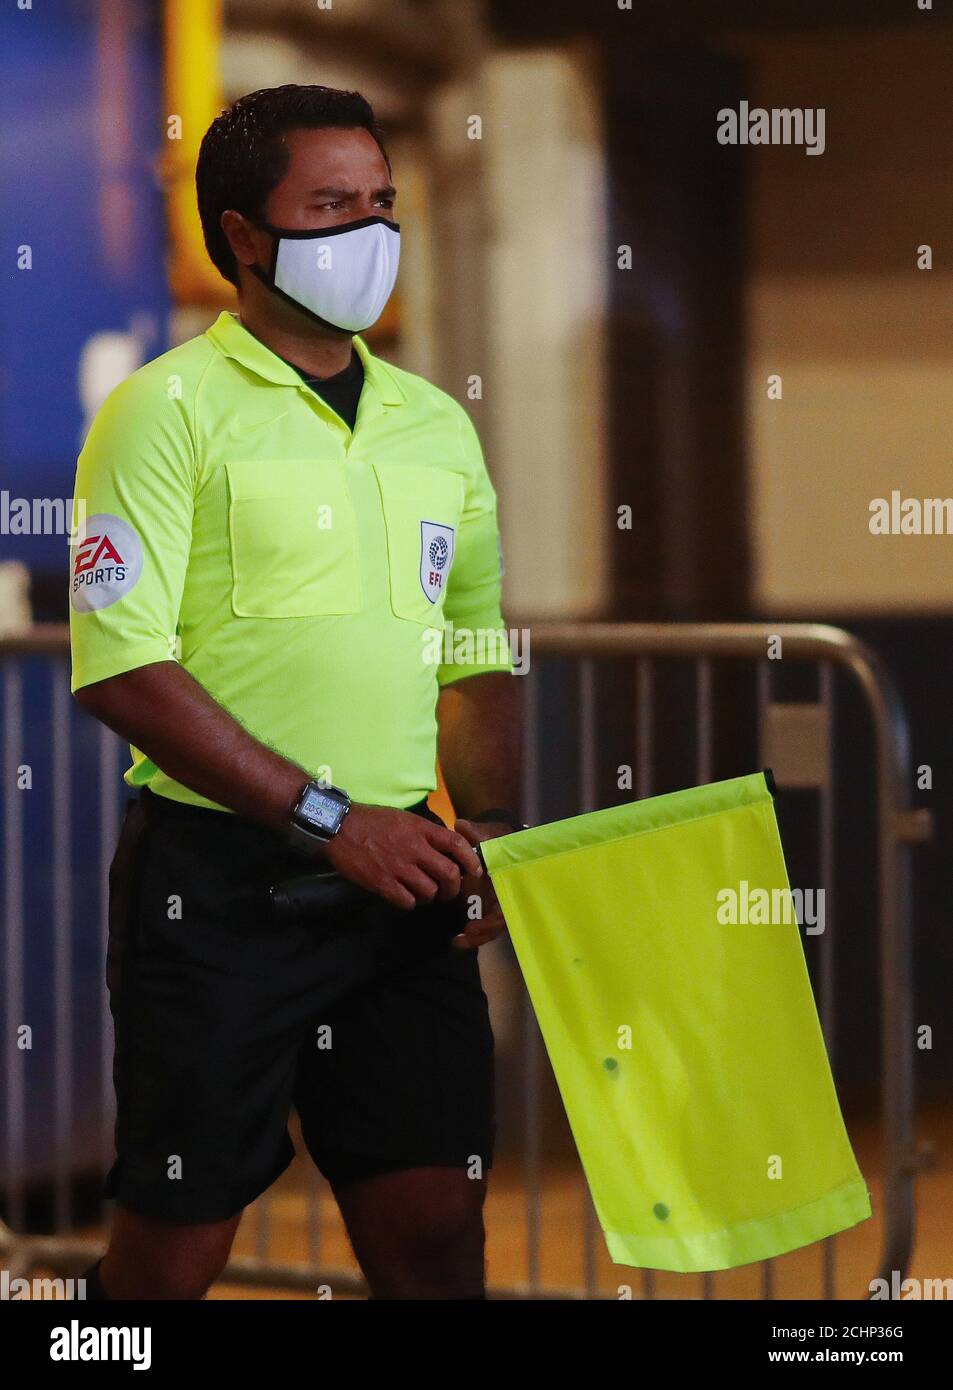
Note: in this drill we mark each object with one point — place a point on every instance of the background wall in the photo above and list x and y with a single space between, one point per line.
547 262
835 304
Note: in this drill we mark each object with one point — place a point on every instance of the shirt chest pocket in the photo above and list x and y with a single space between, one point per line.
422 509
293 539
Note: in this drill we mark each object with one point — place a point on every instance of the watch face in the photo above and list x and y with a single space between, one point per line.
321 808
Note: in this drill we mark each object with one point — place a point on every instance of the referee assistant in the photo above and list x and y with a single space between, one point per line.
277 522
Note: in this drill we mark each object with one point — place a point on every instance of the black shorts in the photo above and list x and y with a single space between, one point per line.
366 1021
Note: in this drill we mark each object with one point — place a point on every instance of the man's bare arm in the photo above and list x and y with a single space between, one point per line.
480 745
164 711
173 719
480 741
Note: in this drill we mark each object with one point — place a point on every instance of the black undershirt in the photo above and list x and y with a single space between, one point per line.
341 392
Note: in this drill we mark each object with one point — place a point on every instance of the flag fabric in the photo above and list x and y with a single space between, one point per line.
660 945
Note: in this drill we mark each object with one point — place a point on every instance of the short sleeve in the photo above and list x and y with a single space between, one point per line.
132 531
479 639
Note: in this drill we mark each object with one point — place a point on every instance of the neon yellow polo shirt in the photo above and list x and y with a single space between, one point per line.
320 584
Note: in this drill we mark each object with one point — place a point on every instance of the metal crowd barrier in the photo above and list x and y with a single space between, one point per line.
794 739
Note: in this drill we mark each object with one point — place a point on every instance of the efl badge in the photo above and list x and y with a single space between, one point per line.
436 557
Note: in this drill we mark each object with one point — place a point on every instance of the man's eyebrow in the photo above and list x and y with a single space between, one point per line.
388 191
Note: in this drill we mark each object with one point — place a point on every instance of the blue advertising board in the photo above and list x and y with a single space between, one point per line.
83 301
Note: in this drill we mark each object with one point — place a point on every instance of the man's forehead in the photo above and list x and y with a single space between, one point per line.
330 153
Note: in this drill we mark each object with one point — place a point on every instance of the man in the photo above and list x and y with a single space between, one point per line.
277 523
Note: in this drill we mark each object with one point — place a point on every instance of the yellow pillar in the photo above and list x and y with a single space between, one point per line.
193 35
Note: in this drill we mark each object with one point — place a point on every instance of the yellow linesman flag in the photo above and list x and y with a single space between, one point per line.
662 953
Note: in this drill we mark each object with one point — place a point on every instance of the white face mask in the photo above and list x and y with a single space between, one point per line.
342 276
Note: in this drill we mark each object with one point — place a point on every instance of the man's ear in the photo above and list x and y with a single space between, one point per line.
242 237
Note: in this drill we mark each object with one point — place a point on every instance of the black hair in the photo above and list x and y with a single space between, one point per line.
243 156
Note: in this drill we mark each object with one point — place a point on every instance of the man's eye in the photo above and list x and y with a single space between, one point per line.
385 202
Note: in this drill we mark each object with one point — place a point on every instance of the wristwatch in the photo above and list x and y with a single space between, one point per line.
318 815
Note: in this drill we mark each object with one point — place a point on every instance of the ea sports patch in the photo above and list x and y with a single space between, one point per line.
436 557
105 562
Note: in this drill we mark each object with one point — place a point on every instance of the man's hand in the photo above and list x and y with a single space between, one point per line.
491 924
402 857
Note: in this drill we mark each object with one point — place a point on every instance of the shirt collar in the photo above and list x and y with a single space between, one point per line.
233 339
